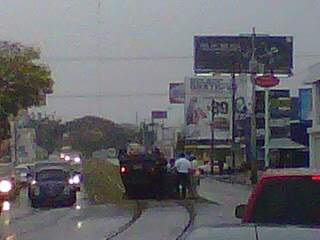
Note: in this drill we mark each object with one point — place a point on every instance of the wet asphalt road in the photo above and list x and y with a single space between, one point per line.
158 220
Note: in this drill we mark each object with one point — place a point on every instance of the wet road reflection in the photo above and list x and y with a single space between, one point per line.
81 221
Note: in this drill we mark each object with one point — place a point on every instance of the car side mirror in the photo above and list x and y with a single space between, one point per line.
240 211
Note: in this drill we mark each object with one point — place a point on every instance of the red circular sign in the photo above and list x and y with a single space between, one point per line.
267 81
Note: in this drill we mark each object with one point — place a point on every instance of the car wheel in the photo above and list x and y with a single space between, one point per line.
72 200
35 204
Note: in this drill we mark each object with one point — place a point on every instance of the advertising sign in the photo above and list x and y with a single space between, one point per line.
176 93
200 91
219 53
159 114
305 96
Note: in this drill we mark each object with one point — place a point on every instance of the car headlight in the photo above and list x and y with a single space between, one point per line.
70 181
67 158
62 155
77 159
76 179
5 186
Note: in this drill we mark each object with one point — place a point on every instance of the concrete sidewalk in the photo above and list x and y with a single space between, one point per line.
221 190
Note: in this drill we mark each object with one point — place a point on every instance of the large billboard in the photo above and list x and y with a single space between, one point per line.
219 53
199 94
176 93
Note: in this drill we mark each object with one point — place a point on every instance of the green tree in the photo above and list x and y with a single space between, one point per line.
48 133
24 81
90 133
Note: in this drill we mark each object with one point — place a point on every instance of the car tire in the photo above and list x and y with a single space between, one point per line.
35 204
72 200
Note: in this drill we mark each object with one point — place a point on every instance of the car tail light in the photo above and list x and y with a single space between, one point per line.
316 178
123 169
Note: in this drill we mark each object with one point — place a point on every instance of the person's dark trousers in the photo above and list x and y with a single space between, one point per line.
182 179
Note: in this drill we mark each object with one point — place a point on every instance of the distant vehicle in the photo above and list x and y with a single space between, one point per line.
206 168
69 155
284 196
52 185
143 174
21 174
65 165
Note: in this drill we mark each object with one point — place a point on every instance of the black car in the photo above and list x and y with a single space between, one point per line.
52 185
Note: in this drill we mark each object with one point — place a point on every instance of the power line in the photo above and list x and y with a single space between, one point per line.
110 95
122 59
141 58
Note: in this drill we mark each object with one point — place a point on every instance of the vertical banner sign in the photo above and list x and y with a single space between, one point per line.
176 93
305 98
199 93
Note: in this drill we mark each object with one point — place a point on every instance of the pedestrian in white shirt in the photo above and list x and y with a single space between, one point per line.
182 166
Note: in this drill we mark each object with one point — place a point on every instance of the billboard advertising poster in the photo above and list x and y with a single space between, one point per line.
199 94
176 93
305 97
159 114
219 53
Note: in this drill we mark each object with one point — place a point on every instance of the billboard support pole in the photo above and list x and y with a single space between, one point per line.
266 134
253 70
212 137
234 88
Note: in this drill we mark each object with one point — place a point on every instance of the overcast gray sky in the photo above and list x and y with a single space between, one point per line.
142 28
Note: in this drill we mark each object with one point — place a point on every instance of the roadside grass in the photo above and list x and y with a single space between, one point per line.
102 181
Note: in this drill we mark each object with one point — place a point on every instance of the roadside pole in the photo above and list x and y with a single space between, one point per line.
234 88
212 137
266 120
253 71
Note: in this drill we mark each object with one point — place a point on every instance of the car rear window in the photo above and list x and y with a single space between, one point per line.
288 201
52 175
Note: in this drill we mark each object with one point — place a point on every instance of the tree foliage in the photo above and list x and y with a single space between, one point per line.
23 80
89 134
48 134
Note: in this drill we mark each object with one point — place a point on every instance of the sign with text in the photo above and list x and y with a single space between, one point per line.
159 114
176 93
219 53
200 91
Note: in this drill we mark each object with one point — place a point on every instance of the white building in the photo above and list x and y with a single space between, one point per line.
314 132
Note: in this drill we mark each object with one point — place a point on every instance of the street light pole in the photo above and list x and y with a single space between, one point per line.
266 131
234 87
212 137
253 71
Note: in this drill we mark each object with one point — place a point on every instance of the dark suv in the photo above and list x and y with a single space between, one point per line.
52 185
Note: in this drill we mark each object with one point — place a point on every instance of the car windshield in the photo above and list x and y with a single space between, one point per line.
51 175
288 201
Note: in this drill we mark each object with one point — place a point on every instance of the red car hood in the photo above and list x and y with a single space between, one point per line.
255 233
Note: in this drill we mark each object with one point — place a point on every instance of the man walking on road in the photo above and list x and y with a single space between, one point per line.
182 166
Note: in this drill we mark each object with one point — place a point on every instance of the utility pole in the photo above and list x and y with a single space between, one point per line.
266 131
253 71
234 88
212 137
